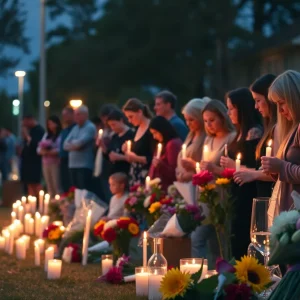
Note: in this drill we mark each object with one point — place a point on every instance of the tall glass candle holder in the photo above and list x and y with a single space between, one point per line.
156 275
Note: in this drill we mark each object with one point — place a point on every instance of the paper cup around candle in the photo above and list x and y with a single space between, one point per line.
54 268
107 263
141 281
156 275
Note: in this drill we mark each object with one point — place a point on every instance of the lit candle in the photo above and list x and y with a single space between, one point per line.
2 242
32 201
145 242
23 200
183 151
141 282
57 197
26 222
18 202
20 249
155 277
31 226
18 228
198 167
37 224
54 269
41 244
238 162
128 146
13 216
226 150
12 231
269 148
86 237
58 223
49 254
42 227
15 208
46 204
21 213
107 263
100 134
147 183
26 239
37 254
190 265
159 149
205 153
41 200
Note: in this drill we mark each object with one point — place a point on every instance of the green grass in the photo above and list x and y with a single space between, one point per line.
22 280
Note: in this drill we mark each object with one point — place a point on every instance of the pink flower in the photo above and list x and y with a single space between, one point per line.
223 266
134 188
114 275
133 201
228 173
202 178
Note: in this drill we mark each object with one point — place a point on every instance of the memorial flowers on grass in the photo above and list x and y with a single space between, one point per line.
53 234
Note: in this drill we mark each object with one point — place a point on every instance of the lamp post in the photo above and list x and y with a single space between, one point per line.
16 112
75 103
47 106
20 75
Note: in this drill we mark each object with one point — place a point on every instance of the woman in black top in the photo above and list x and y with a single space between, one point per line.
140 156
118 124
268 110
241 110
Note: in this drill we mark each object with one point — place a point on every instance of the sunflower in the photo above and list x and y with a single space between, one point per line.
154 207
250 272
223 181
133 228
175 283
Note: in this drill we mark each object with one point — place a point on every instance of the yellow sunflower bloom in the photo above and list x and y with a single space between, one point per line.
251 272
175 283
223 181
154 207
133 229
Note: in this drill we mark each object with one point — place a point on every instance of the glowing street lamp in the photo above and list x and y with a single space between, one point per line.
75 103
20 75
47 103
16 108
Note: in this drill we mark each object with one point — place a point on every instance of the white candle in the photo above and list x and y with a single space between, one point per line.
26 239
205 153
154 281
46 204
198 167
54 268
183 151
159 149
190 267
6 235
21 213
226 150
49 254
37 224
13 216
18 228
128 146
23 200
37 254
141 282
28 208
269 148
15 208
57 197
41 244
43 226
100 134
238 162
12 234
18 202
145 242
41 200
31 226
86 238
147 183
58 223
2 242
107 263
20 249
26 222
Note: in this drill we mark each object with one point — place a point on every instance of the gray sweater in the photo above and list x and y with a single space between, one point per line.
80 144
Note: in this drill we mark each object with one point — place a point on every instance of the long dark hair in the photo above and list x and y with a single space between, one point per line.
164 127
248 116
134 104
261 86
54 135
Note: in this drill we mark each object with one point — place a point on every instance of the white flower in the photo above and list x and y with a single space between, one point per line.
67 255
110 224
147 201
284 221
155 181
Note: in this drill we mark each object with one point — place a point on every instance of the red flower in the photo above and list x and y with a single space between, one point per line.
134 188
114 275
76 253
223 266
109 235
237 291
166 201
72 189
123 223
202 178
152 198
228 173
98 230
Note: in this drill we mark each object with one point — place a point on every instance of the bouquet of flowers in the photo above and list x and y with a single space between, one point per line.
53 234
215 193
135 201
46 144
72 253
118 233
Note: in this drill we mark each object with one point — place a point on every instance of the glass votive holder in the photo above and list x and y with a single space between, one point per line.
141 281
191 265
107 263
156 275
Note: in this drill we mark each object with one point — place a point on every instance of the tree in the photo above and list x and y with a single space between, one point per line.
12 27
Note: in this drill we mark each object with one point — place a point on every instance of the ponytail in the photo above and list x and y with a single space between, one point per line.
134 104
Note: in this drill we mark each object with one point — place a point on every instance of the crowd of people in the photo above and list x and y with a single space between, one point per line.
86 153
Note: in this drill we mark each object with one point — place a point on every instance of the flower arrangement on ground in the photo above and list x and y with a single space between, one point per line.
216 194
72 253
53 234
118 233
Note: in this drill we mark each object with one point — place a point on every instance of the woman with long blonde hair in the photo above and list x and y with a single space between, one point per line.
285 167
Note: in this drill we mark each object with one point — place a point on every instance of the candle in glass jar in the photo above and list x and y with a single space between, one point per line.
128 146
49 254
238 162
205 153
183 151
54 269
141 281
159 149
37 254
190 265
155 277
107 263
41 200
269 148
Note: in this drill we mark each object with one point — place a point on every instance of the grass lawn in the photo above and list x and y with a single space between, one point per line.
23 280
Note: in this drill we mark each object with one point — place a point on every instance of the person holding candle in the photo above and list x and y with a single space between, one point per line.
285 167
192 148
268 110
164 166
242 112
142 146
49 149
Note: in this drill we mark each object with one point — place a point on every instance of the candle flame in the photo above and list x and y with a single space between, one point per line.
57 197
89 212
41 193
13 214
183 146
145 234
142 271
197 165
239 156
270 143
193 261
47 197
159 145
23 198
205 148
37 215
100 132
18 203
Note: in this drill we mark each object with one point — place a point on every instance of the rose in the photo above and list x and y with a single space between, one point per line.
109 235
202 178
228 173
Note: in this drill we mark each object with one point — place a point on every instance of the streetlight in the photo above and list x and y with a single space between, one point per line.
75 103
20 75
47 103
16 108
